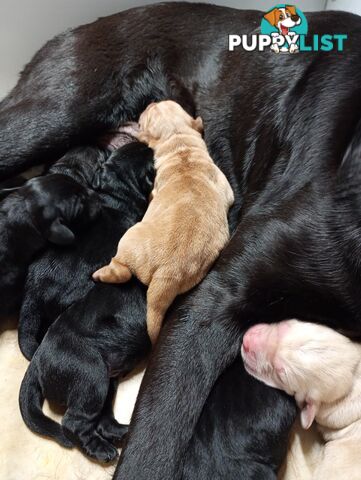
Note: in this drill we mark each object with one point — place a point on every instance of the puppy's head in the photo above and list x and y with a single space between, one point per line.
313 363
129 168
82 163
59 207
161 120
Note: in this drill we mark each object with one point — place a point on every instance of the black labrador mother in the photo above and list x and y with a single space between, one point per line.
286 131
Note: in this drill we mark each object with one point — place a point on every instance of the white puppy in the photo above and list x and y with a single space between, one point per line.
322 370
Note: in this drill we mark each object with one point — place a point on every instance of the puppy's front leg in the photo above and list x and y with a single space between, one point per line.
115 272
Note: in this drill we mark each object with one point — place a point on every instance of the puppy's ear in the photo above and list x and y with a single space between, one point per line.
197 124
60 234
271 17
308 413
291 9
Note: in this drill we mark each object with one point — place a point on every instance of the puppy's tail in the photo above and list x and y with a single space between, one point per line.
160 295
115 272
31 402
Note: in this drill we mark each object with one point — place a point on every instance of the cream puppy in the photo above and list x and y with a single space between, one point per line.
185 226
322 370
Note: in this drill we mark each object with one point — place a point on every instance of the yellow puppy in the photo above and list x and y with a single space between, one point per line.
185 226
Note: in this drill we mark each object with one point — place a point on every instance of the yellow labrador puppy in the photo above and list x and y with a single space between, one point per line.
185 226
322 369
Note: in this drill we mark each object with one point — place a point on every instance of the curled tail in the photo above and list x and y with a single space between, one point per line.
160 295
31 402
115 272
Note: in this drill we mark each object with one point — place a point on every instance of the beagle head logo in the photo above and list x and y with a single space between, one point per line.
283 18
285 24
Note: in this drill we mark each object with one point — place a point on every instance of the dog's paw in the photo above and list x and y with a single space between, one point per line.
111 430
100 449
275 48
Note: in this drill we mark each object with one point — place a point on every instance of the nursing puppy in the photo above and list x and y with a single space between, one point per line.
47 209
185 226
322 370
55 280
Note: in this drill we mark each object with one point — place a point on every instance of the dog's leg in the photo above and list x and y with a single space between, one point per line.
35 131
86 404
30 325
108 427
115 272
61 100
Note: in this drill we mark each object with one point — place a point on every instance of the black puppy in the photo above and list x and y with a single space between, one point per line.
122 180
97 337
49 208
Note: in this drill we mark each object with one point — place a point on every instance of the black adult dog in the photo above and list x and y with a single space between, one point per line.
47 209
99 337
278 126
58 279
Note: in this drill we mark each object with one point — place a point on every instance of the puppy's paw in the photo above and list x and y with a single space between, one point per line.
100 449
100 275
115 272
111 430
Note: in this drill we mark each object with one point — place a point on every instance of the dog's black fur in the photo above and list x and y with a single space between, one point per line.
101 336
47 209
278 126
242 431
123 178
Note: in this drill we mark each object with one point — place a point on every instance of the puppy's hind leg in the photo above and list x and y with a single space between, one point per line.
30 330
108 427
161 292
115 272
86 403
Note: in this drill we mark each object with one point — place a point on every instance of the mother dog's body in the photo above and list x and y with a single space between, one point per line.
278 126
